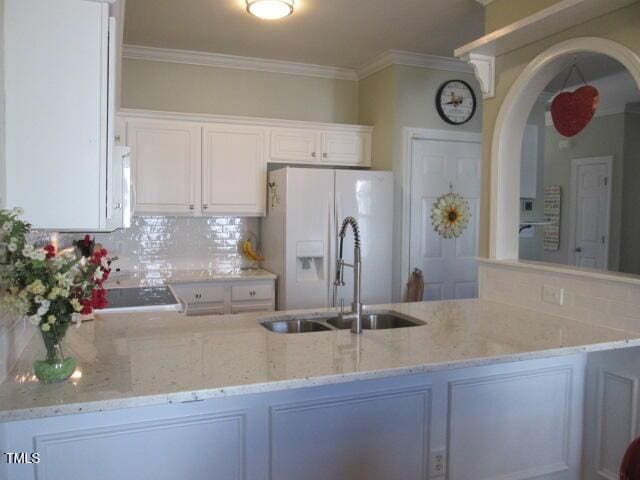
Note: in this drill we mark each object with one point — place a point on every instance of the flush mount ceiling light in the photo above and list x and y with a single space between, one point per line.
270 9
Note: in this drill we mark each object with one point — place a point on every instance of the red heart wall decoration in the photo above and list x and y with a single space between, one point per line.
571 112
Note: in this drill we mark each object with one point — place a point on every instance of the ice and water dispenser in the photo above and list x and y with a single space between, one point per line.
310 261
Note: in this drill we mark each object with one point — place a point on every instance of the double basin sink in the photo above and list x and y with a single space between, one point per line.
370 321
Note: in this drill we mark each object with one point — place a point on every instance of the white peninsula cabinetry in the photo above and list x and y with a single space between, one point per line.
217 165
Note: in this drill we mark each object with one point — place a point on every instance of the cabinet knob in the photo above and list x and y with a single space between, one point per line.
313 154
192 207
205 206
325 155
117 138
117 206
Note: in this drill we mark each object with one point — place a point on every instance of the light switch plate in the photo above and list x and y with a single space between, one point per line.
553 295
438 463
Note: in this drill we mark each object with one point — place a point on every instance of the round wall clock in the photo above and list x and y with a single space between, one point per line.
456 102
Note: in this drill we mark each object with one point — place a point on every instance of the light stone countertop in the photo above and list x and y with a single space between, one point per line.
132 360
166 277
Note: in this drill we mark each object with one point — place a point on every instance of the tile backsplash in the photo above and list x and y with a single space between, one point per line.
159 243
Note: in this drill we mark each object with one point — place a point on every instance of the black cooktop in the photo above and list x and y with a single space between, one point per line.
139 297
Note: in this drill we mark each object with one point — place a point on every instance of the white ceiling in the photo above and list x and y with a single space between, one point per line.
340 33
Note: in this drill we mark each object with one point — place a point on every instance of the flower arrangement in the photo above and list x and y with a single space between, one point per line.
52 290
450 215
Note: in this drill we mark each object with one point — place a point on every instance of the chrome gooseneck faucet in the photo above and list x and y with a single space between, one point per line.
356 307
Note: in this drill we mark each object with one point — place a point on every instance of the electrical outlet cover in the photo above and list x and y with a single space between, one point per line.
438 463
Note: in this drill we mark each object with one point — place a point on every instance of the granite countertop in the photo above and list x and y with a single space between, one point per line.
131 360
166 277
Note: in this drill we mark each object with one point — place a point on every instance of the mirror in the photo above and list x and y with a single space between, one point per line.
579 195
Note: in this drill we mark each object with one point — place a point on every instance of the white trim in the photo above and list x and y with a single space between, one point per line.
575 163
509 129
409 135
238 120
191 57
382 61
484 2
398 57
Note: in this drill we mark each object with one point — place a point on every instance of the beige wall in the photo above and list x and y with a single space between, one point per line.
630 224
621 26
200 89
603 137
500 13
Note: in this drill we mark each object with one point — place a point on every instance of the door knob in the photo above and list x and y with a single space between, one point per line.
578 249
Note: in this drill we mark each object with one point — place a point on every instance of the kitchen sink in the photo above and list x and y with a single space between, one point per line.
376 321
370 321
295 326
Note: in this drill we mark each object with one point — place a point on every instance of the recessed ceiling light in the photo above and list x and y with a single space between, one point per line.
270 9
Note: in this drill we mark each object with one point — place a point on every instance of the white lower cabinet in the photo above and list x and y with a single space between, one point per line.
518 420
226 296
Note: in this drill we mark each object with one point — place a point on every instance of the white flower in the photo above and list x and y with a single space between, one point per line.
7 227
38 299
18 211
98 274
44 308
35 319
76 304
45 327
76 319
12 247
36 287
51 319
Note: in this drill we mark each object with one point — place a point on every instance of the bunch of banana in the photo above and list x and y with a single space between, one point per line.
249 251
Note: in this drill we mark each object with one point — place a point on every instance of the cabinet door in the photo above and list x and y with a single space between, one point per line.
56 59
234 170
165 158
346 148
294 145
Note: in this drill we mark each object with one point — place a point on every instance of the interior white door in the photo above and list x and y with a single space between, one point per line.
165 158
234 170
591 197
448 265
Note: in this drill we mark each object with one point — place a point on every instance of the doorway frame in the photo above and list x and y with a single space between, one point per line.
575 163
409 135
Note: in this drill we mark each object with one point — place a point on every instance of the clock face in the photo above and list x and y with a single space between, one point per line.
456 102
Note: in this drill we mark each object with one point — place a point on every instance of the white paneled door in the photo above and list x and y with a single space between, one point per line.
448 265
590 212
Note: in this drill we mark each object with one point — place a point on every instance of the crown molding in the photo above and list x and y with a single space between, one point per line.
398 57
191 57
382 61
484 2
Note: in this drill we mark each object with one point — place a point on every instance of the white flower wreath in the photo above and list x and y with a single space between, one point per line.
450 215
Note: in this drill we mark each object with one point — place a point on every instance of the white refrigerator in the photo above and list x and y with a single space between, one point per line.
299 234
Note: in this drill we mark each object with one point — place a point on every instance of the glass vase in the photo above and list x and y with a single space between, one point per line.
55 367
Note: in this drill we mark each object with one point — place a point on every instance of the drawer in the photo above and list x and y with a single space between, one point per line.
200 292
194 309
263 307
252 291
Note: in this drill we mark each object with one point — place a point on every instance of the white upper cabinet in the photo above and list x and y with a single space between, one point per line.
59 106
234 169
341 146
294 145
346 148
166 159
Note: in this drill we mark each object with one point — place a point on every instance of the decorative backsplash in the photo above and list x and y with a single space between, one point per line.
159 243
